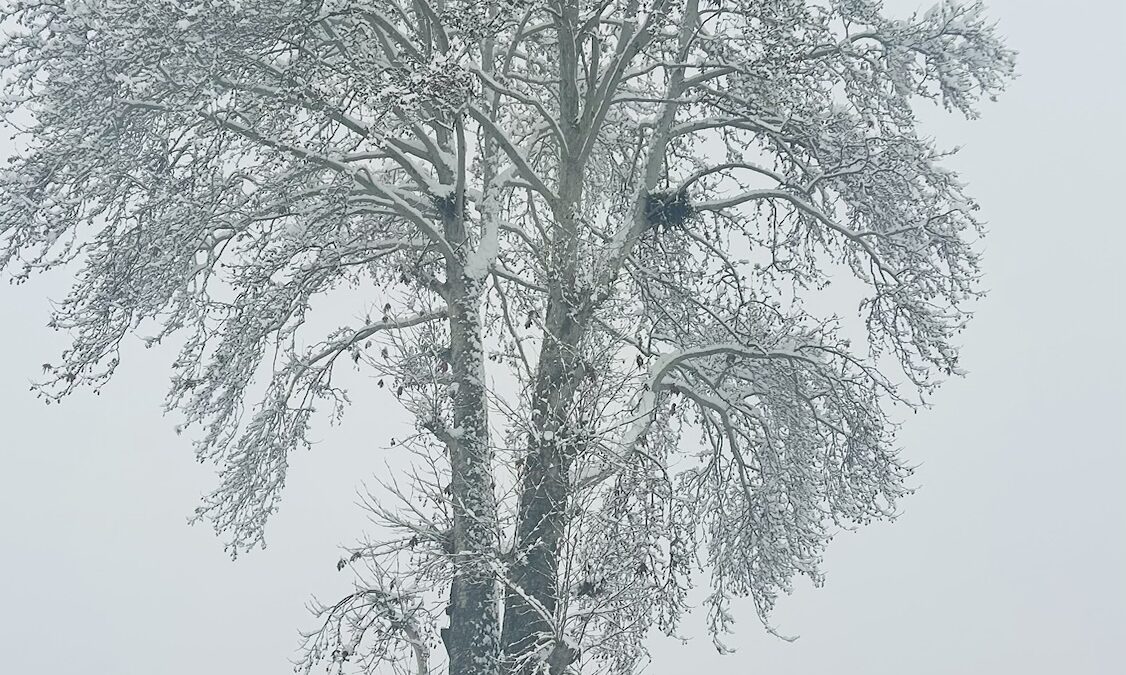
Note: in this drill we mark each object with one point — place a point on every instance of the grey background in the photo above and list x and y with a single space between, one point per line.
1009 559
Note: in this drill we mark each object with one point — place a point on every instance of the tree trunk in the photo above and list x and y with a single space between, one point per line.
533 594
473 638
529 632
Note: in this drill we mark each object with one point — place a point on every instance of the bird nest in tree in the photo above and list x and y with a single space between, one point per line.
668 210
446 205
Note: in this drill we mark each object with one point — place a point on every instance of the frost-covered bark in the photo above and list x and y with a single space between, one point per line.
583 237
472 639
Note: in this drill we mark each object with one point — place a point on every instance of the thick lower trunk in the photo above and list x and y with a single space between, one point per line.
532 599
473 638
529 631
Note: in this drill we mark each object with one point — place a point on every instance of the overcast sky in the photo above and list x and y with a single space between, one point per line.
1009 559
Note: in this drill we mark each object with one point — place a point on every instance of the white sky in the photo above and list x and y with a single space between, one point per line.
1008 560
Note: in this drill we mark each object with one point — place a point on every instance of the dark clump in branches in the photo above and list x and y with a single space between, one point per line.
446 205
668 210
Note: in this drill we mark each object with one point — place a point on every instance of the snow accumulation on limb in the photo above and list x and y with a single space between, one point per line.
518 158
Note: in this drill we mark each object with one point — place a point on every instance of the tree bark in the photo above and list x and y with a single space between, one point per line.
473 638
533 592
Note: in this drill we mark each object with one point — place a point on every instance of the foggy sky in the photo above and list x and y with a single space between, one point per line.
1009 559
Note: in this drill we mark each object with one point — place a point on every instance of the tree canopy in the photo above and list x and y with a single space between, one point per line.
580 235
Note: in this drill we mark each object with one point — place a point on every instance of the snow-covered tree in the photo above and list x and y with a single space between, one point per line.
583 237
